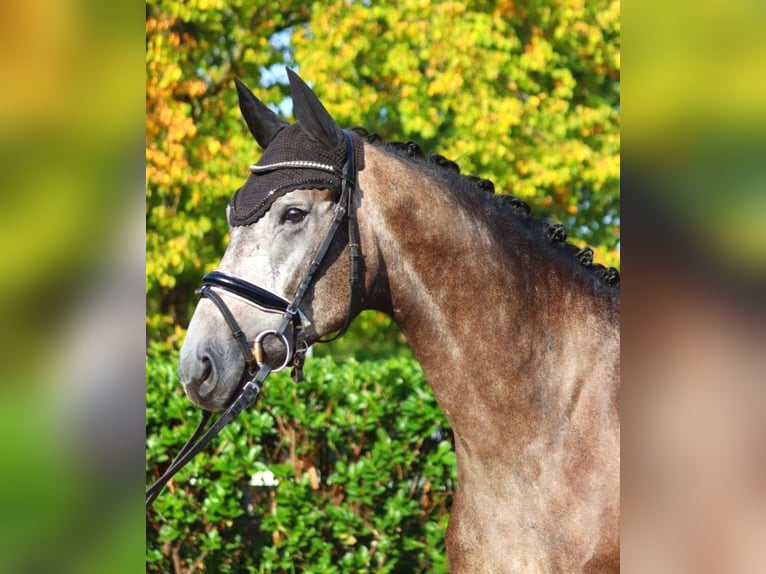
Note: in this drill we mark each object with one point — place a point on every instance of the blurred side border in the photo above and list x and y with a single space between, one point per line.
72 344
694 264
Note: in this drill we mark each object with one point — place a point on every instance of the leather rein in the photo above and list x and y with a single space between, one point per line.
296 344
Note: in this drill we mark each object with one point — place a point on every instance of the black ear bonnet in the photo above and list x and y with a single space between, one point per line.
291 144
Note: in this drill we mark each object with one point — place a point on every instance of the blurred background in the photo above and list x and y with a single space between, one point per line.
528 94
693 328
71 302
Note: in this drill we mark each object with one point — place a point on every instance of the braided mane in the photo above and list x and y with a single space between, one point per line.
553 233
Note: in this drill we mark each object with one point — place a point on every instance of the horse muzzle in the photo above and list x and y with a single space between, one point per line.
279 348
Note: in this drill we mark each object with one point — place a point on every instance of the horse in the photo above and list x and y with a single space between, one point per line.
516 329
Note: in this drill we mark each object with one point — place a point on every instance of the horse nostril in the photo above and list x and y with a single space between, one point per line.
207 368
200 375
204 382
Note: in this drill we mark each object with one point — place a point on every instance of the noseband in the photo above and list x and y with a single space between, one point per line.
296 345
217 282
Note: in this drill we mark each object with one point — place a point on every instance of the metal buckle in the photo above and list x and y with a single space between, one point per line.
258 348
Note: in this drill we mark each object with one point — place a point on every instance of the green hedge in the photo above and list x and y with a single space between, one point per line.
363 460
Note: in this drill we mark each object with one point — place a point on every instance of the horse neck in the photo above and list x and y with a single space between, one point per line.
492 323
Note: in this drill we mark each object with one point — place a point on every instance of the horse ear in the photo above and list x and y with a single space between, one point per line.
312 116
262 122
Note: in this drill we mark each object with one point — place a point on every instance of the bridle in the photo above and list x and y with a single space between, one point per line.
291 331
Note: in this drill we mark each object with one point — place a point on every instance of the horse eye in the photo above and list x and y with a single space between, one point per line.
294 215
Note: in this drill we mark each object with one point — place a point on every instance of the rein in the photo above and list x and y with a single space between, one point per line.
296 346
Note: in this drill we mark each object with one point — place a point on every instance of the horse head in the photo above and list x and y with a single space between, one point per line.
284 278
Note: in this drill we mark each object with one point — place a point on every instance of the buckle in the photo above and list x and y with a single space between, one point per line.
258 348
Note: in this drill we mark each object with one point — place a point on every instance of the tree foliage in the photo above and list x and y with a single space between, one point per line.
197 152
526 94
523 93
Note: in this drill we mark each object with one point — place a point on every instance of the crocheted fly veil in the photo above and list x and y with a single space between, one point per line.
290 144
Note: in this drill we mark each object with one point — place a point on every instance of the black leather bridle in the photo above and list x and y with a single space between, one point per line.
291 331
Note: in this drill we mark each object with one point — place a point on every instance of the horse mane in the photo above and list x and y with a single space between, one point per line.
512 208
